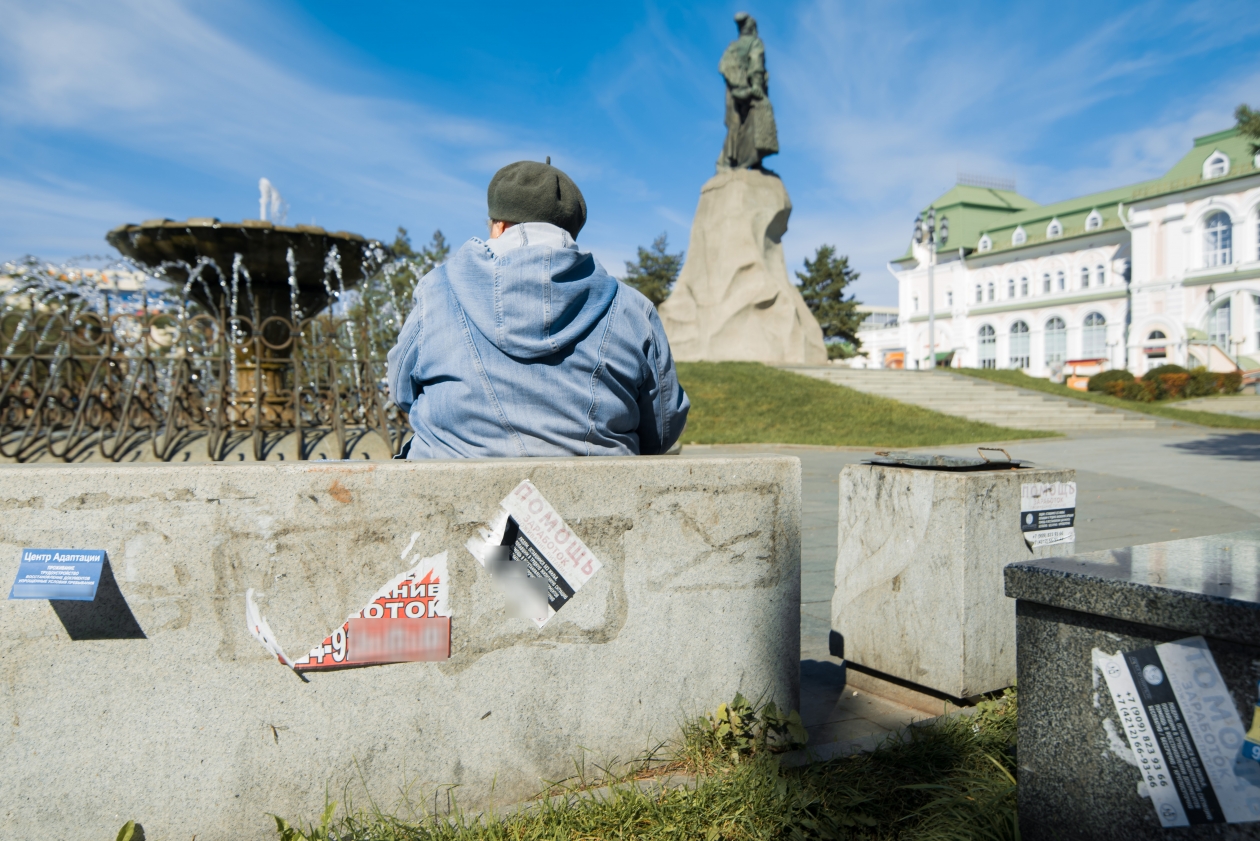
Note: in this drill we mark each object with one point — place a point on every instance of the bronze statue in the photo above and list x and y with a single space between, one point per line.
750 131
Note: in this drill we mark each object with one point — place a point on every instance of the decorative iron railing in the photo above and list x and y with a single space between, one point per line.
75 380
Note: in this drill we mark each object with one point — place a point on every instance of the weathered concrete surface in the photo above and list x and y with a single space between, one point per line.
919 592
733 299
195 730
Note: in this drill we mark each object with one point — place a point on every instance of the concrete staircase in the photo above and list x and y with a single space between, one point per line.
980 400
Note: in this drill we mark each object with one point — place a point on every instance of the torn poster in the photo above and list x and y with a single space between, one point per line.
1185 733
408 620
533 554
1047 513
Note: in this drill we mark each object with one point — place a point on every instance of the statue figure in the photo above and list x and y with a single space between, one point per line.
750 131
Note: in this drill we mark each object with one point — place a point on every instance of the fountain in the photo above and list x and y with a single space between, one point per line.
239 333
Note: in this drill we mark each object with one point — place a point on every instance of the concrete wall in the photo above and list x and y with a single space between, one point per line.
189 727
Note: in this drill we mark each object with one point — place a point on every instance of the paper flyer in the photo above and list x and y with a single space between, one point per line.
533 554
1185 733
408 620
1047 513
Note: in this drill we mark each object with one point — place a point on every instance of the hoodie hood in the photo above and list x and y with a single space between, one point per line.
532 292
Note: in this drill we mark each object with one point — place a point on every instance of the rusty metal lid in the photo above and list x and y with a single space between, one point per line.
957 464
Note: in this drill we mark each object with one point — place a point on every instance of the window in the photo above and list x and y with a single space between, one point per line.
1084 277
1154 348
1255 302
1093 221
1216 165
1019 345
1010 288
1062 281
1218 240
1218 326
988 347
1023 287
991 292
949 298
1056 341
985 243
979 293
1045 283
1100 275
1019 237
916 303
1094 336
1054 229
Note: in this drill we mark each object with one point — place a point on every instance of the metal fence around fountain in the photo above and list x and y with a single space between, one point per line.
73 382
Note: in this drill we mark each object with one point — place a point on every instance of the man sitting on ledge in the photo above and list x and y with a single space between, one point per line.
525 346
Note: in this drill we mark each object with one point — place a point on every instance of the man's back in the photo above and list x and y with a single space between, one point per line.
525 346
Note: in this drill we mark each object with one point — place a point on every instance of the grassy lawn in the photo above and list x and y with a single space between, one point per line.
750 403
948 779
1163 409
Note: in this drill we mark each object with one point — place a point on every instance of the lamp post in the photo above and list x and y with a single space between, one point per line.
925 231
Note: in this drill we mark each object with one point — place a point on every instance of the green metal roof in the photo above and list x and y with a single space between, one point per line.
975 211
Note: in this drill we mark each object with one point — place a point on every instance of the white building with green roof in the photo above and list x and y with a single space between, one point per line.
1162 271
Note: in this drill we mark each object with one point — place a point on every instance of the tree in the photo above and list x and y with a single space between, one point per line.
413 265
655 272
1249 124
822 286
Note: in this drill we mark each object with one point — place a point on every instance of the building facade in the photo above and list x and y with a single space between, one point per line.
1163 271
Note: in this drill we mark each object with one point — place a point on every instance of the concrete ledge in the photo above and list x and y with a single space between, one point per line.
189 727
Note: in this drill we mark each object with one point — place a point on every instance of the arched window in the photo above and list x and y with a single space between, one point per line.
1084 277
1023 287
1054 229
1056 340
949 298
1100 275
979 293
1218 240
1020 357
1218 325
1045 283
991 291
1062 281
1020 236
1094 337
1010 288
1216 165
1155 349
985 243
916 303
1093 221
988 347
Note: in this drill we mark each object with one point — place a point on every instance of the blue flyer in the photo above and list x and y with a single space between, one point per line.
64 574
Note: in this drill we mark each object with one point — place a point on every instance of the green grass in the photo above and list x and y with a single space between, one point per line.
1163 409
948 779
750 403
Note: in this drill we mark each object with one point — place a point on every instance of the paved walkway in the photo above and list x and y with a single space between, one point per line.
1142 487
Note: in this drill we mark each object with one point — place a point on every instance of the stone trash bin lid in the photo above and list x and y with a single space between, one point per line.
954 464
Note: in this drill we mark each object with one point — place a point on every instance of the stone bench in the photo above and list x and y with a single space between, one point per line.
159 706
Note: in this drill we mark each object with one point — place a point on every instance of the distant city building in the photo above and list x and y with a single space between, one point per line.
1163 271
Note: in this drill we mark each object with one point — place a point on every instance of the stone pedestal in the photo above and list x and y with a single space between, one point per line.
919 573
154 703
1078 777
733 300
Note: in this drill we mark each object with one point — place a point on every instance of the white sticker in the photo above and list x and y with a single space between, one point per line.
533 554
1186 734
1047 513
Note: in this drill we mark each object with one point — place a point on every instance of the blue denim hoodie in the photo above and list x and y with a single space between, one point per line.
525 346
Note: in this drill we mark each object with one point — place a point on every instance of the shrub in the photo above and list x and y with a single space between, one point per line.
1172 385
1154 374
1101 382
1201 383
1230 383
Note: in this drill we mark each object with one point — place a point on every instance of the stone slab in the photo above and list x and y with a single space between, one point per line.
1074 780
918 582
180 720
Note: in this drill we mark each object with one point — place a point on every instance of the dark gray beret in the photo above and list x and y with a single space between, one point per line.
528 191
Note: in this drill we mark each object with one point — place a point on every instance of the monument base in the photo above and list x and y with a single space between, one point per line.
733 300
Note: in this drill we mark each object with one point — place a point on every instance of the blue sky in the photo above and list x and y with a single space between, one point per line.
370 116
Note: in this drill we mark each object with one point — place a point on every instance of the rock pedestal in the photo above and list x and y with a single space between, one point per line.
733 300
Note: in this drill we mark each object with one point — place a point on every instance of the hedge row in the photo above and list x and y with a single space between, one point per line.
1167 382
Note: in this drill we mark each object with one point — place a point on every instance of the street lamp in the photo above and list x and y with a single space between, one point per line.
925 233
